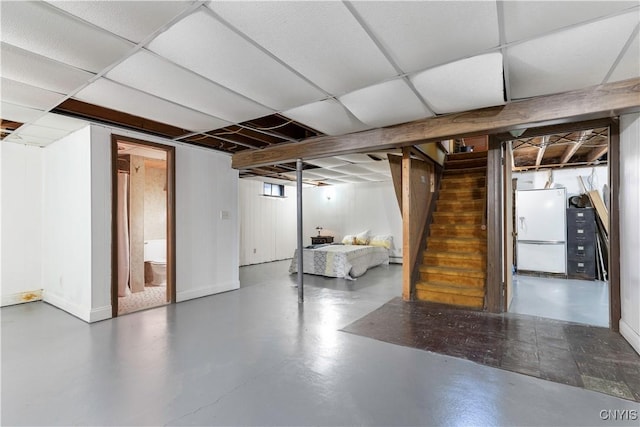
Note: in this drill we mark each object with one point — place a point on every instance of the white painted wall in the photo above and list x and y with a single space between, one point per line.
597 176
267 224
66 224
20 223
353 208
630 228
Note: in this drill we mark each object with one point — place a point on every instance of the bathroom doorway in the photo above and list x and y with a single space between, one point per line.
143 231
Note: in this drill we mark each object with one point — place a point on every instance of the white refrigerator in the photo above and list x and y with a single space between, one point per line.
541 228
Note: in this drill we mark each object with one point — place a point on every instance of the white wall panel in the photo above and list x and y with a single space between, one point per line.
20 222
630 228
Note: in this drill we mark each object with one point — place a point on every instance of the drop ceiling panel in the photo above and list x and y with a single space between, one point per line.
354 179
385 104
327 116
334 181
526 19
149 73
355 158
35 70
133 20
570 59
422 34
112 95
328 162
321 40
352 169
329 173
376 177
463 85
629 65
42 29
58 121
18 113
203 44
42 132
26 139
29 96
381 167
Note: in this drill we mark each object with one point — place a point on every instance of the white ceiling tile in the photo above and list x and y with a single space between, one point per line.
570 59
381 167
526 19
29 96
352 179
376 177
422 34
328 162
352 169
112 95
328 173
18 113
629 65
463 85
42 132
133 20
36 70
26 139
42 29
205 45
334 181
321 39
355 158
310 175
385 104
328 116
58 121
149 73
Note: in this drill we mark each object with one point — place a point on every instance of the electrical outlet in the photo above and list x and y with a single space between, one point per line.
224 214
254 250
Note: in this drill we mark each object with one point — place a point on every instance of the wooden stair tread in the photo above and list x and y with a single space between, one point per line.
447 288
479 169
457 226
458 214
467 155
453 271
452 254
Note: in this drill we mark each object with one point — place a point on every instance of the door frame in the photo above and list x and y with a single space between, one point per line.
171 215
496 291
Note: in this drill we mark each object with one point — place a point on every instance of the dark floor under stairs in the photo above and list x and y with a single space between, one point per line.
453 269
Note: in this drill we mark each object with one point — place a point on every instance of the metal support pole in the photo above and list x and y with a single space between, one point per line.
300 238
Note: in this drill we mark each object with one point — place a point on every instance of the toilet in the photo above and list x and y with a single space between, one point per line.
155 262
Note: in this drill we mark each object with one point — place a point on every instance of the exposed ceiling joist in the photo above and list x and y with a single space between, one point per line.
571 149
600 101
596 153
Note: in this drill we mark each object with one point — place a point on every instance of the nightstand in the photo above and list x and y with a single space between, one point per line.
316 240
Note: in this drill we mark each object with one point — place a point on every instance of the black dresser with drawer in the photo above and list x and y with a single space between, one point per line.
581 243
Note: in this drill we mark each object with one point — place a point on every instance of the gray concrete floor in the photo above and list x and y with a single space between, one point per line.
580 301
254 357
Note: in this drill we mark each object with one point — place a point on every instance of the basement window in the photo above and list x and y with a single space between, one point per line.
273 190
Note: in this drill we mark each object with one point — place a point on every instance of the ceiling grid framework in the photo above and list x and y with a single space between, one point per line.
236 76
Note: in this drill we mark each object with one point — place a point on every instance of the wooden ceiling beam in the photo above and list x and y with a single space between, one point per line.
596 153
607 100
571 149
541 150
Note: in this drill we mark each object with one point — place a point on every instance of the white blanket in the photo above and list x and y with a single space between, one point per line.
343 261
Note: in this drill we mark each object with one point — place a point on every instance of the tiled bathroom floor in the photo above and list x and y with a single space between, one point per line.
569 353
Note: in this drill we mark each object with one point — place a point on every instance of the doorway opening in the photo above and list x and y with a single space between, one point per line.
556 192
142 225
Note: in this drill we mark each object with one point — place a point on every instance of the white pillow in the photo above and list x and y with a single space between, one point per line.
362 238
349 239
383 240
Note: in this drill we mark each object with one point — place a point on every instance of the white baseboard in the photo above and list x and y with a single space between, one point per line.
21 297
630 335
68 306
101 313
209 290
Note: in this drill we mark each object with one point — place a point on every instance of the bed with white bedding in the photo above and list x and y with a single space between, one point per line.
342 261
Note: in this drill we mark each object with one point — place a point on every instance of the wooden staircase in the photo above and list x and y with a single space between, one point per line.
453 268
